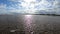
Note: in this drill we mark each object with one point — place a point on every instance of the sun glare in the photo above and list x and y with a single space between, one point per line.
29 1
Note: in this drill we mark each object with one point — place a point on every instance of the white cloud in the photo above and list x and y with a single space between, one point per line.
2 6
29 5
29 1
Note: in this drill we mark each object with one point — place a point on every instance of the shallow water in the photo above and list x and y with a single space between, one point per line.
29 24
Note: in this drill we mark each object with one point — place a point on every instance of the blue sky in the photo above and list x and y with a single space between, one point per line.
9 3
29 5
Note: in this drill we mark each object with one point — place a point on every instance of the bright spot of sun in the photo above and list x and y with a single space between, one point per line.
25 4
29 1
28 15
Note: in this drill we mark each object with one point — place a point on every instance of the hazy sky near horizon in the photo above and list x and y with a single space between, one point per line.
17 5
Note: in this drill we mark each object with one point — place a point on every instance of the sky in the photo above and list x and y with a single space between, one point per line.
29 6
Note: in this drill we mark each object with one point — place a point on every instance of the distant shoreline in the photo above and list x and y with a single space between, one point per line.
30 14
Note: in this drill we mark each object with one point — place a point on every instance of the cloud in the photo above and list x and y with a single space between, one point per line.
29 5
2 6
